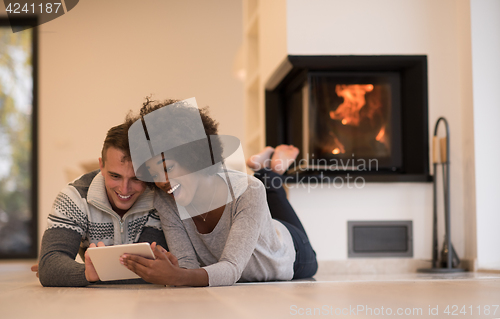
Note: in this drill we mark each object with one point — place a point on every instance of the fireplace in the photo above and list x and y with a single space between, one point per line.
358 115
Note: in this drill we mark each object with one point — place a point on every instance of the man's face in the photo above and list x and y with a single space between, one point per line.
122 187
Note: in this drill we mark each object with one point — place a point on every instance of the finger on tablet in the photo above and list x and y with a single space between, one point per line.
100 244
138 259
136 267
163 250
92 245
158 253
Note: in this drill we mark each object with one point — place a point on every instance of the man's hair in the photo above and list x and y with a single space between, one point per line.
117 137
178 124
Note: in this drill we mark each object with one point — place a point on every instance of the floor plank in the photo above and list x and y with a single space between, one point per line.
368 296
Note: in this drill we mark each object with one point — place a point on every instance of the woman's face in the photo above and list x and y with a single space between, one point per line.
177 182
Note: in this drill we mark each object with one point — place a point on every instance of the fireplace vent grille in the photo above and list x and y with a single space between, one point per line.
380 238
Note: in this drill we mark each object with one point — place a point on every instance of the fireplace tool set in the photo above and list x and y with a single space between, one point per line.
441 156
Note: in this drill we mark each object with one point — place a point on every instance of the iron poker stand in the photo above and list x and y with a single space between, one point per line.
449 258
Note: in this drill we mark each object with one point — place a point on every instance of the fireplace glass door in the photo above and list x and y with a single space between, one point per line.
352 120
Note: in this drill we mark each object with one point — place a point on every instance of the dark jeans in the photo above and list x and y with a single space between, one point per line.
305 265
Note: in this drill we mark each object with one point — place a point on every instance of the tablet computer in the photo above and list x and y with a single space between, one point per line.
106 260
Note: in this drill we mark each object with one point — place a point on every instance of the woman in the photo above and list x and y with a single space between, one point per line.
217 222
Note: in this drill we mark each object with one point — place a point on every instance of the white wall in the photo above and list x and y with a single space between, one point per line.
366 27
273 41
485 21
103 57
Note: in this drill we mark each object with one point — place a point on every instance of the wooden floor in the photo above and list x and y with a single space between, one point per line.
412 295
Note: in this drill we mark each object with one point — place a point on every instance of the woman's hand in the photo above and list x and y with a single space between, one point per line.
90 272
170 256
164 270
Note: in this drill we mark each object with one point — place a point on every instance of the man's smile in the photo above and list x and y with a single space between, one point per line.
124 197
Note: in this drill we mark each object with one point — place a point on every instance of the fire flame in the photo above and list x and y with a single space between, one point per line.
349 112
354 100
336 147
380 135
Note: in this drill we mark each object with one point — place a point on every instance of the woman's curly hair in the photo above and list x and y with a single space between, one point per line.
178 118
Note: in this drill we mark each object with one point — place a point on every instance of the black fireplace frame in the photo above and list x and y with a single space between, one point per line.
414 109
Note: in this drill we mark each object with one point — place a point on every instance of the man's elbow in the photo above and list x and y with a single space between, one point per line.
44 278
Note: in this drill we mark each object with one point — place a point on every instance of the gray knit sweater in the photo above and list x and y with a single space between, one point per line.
82 215
246 244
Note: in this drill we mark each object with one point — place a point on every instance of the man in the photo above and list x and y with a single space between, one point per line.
106 207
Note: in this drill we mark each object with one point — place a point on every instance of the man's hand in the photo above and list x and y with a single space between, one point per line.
164 270
34 268
90 273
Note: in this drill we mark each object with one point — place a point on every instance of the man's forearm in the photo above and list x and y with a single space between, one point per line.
57 265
